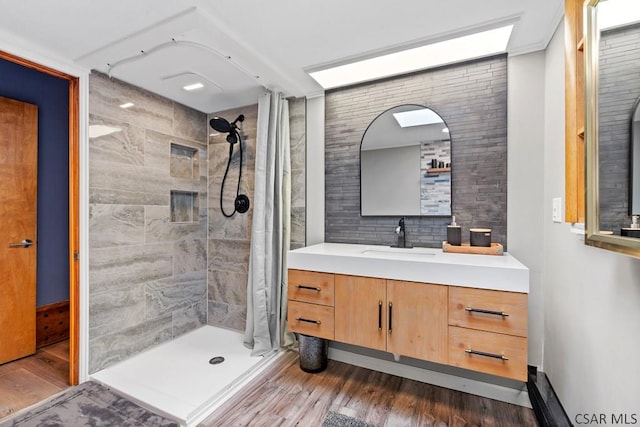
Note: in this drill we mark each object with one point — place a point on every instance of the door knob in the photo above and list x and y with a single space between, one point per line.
24 244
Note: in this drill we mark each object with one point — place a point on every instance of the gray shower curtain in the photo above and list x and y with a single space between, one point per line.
270 233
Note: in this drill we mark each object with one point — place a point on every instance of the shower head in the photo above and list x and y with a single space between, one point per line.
222 125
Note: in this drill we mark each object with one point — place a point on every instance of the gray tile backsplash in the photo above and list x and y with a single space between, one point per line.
619 89
472 99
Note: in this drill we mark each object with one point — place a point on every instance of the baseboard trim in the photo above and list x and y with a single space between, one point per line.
466 385
52 323
544 401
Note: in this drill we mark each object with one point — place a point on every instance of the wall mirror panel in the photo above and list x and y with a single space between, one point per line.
405 164
612 77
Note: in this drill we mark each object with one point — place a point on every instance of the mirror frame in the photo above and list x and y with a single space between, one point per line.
593 237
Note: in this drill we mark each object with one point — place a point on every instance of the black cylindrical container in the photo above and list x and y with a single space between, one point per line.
313 353
480 237
454 235
630 232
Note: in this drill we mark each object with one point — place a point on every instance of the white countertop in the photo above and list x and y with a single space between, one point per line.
504 273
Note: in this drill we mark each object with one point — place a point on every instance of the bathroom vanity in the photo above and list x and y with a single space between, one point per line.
463 310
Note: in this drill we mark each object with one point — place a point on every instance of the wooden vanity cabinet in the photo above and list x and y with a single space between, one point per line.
310 303
418 320
478 329
360 311
405 318
488 331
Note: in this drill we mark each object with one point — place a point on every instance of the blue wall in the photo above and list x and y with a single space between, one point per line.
51 95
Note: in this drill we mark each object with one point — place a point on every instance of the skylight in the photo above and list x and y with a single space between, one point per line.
422 116
616 13
476 45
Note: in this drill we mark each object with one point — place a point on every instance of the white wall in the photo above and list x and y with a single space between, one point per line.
525 189
591 296
315 171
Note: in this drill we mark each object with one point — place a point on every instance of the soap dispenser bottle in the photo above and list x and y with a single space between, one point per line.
454 233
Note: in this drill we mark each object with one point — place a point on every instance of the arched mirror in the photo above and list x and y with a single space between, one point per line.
635 161
405 164
612 77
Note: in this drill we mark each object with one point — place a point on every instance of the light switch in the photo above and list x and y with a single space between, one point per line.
557 209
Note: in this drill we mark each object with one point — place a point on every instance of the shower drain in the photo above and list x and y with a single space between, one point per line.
216 360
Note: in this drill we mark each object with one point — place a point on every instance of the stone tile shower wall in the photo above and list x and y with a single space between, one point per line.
147 274
229 239
472 99
619 90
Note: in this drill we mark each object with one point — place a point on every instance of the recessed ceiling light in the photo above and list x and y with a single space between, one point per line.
127 105
193 86
476 45
617 13
422 116
445 130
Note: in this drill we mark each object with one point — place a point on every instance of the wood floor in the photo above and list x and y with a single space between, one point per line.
287 396
34 378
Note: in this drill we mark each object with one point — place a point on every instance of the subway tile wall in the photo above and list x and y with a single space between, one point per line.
147 274
472 99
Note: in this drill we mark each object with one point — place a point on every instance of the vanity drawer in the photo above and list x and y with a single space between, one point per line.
311 319
484 351
487 310
311 286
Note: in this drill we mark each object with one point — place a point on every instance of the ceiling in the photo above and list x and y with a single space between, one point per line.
236 48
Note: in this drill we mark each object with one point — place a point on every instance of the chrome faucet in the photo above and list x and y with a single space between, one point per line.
402 234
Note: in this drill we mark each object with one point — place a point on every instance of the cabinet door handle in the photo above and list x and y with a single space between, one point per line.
302 319
380 315
482 353
310 288
482 310
390 317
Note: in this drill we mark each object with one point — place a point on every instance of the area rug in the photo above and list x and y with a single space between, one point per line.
89 404
333 419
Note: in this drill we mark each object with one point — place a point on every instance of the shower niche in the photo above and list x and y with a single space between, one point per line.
184 206
185 162
184 165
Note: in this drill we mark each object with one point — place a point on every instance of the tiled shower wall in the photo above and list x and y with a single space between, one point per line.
472 99
147 273
230 238
619 83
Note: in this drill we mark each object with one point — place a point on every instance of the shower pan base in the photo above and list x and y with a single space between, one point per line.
175 379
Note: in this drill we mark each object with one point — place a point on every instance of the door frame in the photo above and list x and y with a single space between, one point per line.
74 207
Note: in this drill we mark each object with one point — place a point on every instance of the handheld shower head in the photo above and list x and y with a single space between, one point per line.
220 124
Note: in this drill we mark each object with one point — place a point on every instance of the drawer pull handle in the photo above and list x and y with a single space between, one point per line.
482 310
302 319
310 288
380 315
390 318
482 353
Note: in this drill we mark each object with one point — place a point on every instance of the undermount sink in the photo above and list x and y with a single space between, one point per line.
400 253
